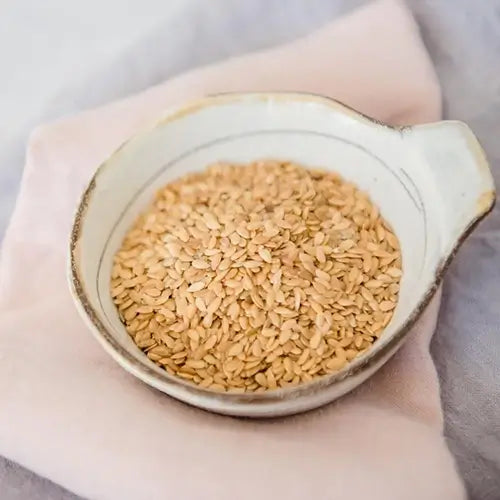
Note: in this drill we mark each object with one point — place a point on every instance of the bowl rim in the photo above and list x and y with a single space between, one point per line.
165 381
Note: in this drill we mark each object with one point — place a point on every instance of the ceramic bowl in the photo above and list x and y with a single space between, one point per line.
431 182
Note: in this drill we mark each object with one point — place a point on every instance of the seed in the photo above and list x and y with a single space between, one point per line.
233 365
319 238
271 380
269 332
394 272
200 304
257 348
206 382
284 336
249 278
335 364
387 305
340 353
233 311
210 221
315 340
196 287
322 275
252 264
261 379
243 232
118 290
214 305
373 284
320 255
265 255
235 349
207 320
200 264
392 240
303 357
191 363
212 340
194 336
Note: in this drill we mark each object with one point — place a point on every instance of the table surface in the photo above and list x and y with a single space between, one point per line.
55 43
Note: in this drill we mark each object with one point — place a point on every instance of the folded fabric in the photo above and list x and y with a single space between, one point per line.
68 412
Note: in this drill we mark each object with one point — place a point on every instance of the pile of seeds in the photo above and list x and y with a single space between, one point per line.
253 277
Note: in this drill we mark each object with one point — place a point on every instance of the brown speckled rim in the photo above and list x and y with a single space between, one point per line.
372 360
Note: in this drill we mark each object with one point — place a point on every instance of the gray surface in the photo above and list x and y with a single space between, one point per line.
17 483
463 37
46 45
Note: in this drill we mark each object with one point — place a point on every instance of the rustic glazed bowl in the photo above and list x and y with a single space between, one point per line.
431 182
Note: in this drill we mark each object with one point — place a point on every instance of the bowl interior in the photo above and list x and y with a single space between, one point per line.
309 130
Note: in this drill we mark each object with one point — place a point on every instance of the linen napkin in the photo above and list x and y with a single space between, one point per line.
68 412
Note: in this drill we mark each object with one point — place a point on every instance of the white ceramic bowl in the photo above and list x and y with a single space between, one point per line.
431 182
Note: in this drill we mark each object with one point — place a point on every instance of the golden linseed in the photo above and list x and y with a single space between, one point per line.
252 277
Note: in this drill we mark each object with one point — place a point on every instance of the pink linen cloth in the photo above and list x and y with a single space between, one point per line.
69 413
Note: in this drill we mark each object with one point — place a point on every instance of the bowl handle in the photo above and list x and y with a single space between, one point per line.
461 174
